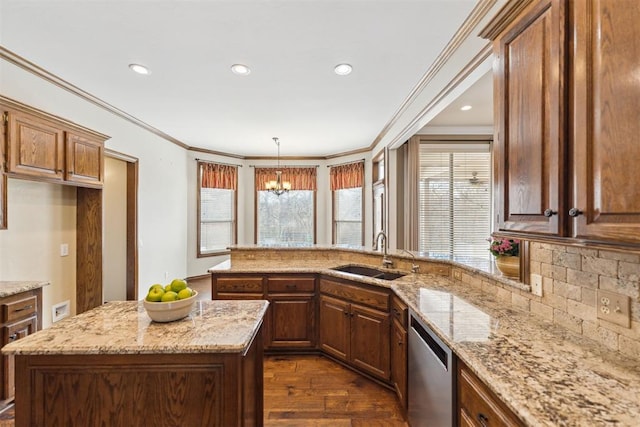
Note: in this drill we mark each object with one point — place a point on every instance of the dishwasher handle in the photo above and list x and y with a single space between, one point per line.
437 350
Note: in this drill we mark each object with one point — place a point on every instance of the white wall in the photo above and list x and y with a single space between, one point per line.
162 196
40 218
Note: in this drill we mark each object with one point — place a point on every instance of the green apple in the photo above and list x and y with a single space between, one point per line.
178 284
157 285
185 293
167 288
155 294
169 296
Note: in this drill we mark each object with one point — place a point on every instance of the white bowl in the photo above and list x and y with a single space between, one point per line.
170 311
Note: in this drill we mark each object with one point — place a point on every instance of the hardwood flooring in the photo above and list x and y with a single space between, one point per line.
315 391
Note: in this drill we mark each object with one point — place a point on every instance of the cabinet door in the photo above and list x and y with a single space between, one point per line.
334 327
370 341
10 333
35 147
292 322
605 120
529 93
399 361
85 160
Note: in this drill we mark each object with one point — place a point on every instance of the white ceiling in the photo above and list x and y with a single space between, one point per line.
291 47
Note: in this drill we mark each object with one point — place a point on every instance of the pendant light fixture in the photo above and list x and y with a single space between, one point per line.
278 186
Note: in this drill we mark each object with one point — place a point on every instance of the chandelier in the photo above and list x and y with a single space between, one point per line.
278 186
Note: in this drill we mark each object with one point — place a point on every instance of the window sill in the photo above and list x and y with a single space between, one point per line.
214 253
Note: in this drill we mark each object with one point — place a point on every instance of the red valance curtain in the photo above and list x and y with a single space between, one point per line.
300 178
215 175
350 175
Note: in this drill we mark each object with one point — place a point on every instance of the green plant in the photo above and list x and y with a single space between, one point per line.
504 247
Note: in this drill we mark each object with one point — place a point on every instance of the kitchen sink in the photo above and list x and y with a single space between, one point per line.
360 270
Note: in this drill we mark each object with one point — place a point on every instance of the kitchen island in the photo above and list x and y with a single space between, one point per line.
113 366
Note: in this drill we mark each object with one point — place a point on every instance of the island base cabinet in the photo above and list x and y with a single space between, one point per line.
222 389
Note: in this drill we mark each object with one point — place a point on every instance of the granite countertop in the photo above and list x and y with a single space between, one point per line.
123 327
547 375
8 288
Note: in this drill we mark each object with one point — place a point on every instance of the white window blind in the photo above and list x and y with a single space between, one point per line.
454 199
216 219
347 211
288 218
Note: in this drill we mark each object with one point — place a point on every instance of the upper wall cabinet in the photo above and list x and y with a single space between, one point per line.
529 98
605 128
43 147
566 131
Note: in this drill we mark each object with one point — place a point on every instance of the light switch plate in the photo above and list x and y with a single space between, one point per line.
613 307
536 284
64 249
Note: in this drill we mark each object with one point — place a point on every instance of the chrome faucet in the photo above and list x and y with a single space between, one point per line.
386 261
414 267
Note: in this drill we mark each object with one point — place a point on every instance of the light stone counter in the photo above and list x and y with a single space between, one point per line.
125 328
8 288
547 375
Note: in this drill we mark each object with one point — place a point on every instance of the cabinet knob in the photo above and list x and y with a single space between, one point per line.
574 212
346 313
483 420
13 337
549 213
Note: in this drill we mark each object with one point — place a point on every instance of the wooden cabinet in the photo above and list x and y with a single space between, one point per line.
530 99
604 115
43 147
292 312
566 120
477 405
237 287
399 348
355 326
19 317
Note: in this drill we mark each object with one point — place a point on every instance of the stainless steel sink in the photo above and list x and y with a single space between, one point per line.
360 270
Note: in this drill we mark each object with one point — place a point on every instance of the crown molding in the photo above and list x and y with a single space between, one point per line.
503 18
38 71
477 14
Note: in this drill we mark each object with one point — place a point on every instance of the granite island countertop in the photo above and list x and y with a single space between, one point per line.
123 327
8 288
544 373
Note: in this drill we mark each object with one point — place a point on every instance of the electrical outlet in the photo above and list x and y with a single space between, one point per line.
536 284
60 311
614 308
166 275
457 274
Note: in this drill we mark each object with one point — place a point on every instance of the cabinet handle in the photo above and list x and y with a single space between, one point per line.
26 307
483 419
549 213
574 212
290 286
346 313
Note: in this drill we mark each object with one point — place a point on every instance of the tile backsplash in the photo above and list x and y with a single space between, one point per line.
571 277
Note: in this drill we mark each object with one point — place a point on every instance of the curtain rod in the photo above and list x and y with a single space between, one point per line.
284 166
217 163
346 163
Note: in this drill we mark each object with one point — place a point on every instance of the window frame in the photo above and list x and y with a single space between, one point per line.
199 252
334 223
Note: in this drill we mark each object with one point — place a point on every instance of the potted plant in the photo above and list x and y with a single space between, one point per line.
507 253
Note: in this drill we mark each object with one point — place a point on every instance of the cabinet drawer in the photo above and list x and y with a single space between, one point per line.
18 309
399 311
291 284
479 403
239 284
371 297
18 330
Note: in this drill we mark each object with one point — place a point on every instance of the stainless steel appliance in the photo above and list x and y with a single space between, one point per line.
431 378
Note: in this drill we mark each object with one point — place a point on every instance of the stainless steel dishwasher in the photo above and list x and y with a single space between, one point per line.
431 378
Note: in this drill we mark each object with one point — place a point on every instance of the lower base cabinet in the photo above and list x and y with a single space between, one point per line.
399 349
477 405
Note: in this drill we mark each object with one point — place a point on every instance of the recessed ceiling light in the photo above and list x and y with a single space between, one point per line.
343 69
140 69
466 107
240 69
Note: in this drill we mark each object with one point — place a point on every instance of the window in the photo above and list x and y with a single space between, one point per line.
290 217
454 199
347 186
217 208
